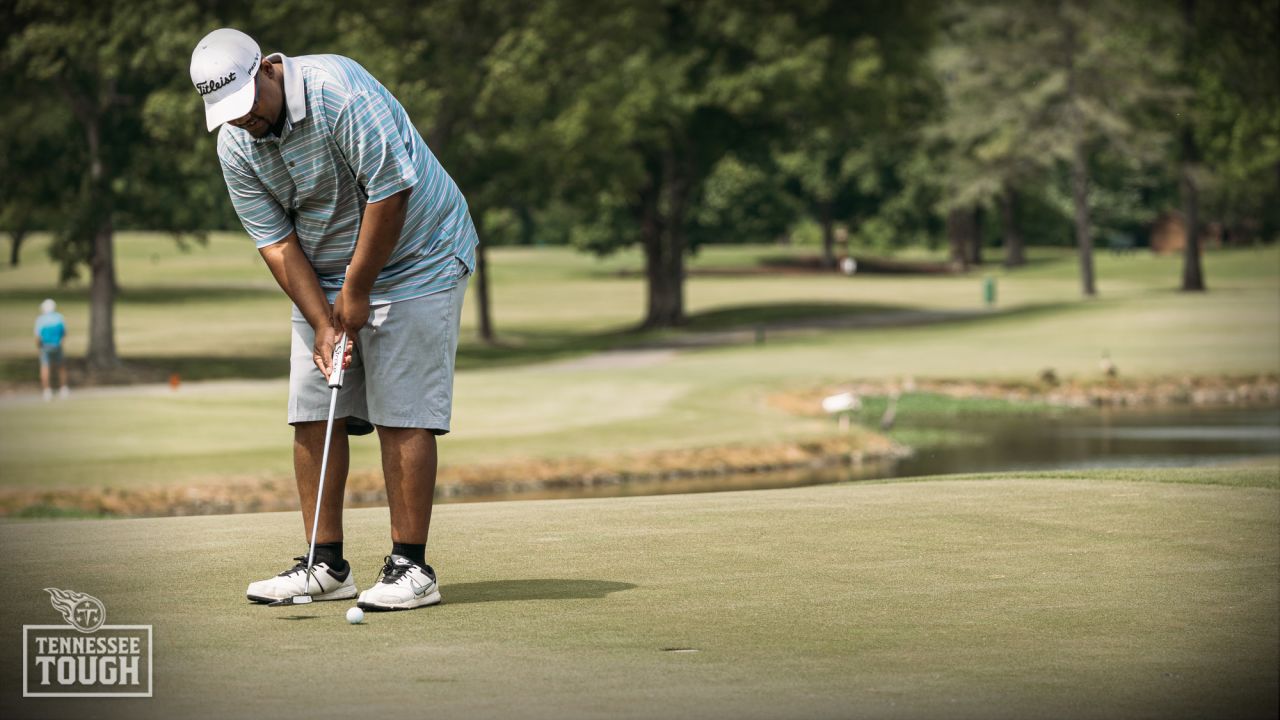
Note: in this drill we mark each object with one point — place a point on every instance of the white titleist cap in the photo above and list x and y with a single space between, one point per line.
223 66
48 306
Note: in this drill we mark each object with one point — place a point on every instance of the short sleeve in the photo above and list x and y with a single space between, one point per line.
366 133
263 218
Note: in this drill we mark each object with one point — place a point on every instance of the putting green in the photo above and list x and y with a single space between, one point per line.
1097 595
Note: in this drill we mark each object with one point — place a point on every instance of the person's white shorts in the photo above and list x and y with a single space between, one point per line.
401 372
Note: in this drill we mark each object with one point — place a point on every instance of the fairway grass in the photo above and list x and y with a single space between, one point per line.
1088 595
213 311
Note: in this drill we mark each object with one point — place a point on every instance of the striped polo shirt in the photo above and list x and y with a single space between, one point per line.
346 142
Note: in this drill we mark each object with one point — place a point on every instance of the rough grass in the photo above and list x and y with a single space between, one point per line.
1093 595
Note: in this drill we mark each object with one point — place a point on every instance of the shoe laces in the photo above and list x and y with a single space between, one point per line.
300 567
392 572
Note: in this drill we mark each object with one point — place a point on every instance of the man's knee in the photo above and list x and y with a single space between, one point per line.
313 430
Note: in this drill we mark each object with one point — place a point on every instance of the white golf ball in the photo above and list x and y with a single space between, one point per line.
355 616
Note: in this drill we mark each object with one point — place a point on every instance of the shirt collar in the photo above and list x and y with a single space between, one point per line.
295 96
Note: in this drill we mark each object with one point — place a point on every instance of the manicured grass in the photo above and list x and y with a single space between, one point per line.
209 309
1088 595
215 308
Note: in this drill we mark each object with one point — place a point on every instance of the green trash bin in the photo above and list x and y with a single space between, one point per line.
989 290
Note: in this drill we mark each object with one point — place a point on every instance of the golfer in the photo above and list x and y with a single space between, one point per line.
50 329
368 235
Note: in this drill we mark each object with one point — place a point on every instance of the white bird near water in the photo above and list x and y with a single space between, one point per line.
841 405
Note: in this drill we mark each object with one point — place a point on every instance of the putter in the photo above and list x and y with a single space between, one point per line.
335 382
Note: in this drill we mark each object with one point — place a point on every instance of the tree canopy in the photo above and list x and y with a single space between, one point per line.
670 124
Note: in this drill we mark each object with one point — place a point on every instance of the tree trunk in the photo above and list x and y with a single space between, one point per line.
662 228
16 235
1014 253
828 236
484 319
974 240
102 292
528 228
1084 236
102 264
1079 164
1192 272
957 224
664 268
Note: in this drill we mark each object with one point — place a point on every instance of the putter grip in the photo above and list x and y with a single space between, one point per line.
335 363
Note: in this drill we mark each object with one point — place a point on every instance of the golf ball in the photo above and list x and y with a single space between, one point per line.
355 616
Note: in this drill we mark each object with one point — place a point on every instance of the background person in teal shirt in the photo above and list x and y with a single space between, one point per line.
51 328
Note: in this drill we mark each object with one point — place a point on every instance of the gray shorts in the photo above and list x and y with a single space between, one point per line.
401 372
50 355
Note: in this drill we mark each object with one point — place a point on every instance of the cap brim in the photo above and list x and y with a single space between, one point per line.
230 107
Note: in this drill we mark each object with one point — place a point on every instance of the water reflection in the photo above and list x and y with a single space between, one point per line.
1068 441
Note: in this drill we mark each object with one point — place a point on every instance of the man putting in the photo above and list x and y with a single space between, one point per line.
368 235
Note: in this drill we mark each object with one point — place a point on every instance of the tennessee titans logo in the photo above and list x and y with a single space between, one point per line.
85 613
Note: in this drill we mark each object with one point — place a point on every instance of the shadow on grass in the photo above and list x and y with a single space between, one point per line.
146 295
524 347
547 589
153 369
745 316
715 328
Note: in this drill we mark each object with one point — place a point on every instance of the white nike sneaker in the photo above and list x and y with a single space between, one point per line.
324 583
404 585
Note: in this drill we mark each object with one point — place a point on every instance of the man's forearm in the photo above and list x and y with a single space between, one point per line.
295 275
379 232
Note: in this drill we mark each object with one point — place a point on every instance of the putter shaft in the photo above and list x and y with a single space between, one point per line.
335 383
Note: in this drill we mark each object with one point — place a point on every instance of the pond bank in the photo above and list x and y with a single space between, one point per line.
527 478
1212 391
858 454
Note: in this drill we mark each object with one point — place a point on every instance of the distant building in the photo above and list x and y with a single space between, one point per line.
1169 233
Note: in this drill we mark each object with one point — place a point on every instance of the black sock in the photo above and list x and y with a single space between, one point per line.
416 553
331 553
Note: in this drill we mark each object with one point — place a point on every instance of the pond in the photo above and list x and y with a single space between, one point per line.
1067 440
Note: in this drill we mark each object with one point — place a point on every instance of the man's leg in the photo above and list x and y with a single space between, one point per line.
44 377
331 578
409 467
62 374
309 398
308 449
409 359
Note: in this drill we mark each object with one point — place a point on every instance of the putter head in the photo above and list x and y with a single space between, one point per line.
295 600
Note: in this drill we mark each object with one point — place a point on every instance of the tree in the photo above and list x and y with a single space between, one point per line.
1192 272
1229 135
103 64
845 135
440 59
37 173
667 94
1035 85
1014 251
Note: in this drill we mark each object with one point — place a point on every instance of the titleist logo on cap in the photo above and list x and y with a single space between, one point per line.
209 86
